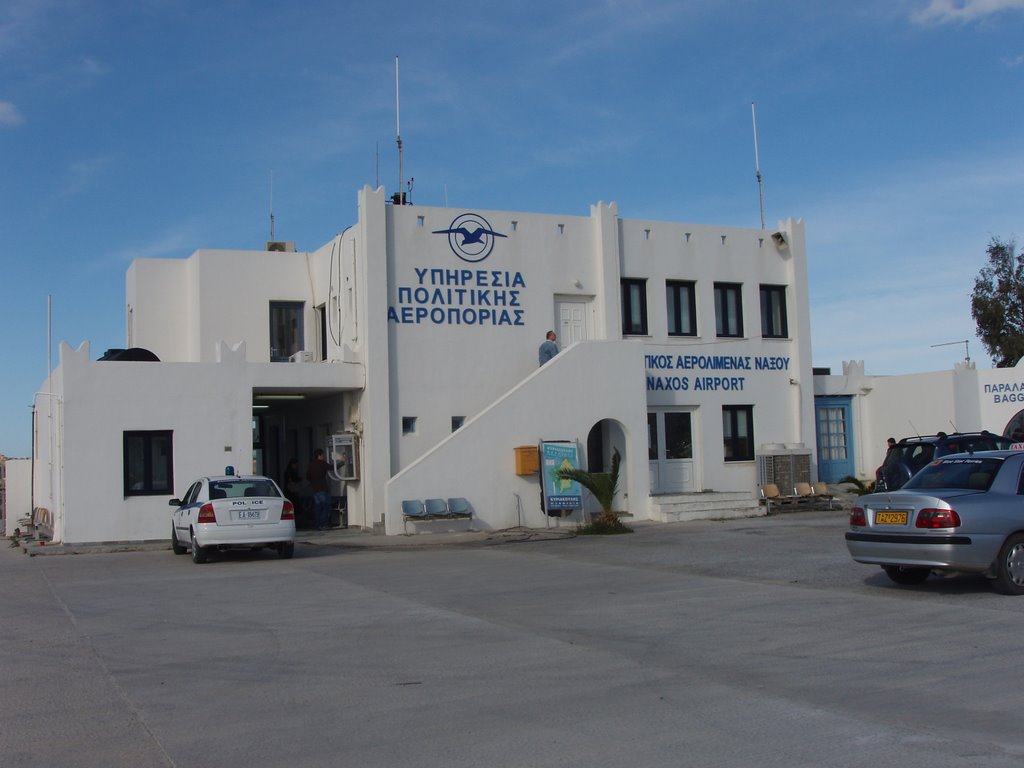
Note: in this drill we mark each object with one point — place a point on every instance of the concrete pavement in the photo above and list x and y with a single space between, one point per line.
751 642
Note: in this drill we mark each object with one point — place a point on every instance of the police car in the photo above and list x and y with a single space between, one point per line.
230 511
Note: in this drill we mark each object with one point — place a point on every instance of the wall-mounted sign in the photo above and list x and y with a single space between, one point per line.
559 494
661 382
445 296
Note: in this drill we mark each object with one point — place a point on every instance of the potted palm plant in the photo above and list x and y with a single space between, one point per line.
603 486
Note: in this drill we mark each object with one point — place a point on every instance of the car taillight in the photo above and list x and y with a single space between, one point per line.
288 511
937 518
206 514
857 517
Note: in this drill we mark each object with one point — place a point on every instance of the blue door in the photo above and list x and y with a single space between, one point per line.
835 438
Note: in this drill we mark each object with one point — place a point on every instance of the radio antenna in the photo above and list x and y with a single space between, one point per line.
271 206
965 342
757 162
399 196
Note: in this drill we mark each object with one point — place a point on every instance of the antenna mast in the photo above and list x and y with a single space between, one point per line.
271 206
399 196
757 163
965 342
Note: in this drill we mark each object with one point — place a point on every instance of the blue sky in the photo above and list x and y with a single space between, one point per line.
151 128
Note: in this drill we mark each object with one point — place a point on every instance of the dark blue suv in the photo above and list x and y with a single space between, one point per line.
912 454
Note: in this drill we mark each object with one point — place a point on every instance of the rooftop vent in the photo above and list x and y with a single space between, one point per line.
283 246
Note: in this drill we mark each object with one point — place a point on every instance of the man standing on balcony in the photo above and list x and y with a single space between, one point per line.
548 349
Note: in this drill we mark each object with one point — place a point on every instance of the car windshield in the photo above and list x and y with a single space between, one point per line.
966 473
220 489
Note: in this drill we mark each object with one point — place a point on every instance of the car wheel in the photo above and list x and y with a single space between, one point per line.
1010 567
286 549
176 548
906 575
198 553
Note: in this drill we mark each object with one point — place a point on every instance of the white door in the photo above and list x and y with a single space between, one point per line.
573 320
670 451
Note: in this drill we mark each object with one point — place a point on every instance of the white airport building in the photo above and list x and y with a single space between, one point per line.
412 338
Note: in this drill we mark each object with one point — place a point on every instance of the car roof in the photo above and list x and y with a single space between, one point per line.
997 454
949 436
222 478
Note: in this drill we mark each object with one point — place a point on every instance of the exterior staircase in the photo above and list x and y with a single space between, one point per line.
707 505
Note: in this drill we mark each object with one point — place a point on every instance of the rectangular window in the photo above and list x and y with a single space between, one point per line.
682 309
678 436
286 334
148 463
738 432
634 307
774 324
457 422
321 321
408 425
728 309
652 436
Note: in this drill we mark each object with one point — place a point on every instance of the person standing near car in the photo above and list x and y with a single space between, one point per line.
316 474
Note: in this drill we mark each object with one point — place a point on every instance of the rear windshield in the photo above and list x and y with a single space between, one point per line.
223 489
974 444
967 473
915 455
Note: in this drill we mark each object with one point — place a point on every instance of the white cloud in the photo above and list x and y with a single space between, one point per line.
92 67
9 114
80 176
172 243
963 11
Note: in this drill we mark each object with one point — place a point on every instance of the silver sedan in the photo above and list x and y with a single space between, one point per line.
963 513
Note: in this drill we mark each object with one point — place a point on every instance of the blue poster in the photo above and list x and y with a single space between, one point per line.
559 494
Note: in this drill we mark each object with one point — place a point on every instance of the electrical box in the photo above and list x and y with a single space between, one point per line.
527 460
343 455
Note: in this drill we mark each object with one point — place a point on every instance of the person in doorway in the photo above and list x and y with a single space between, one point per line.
316 474
292 482
548 349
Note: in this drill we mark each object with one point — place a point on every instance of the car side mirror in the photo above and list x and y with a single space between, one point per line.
174 503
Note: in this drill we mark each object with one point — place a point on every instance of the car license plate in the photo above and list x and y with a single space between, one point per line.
891 518
248 514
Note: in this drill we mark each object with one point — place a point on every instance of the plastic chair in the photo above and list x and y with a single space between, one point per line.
412 509
459 507
436 508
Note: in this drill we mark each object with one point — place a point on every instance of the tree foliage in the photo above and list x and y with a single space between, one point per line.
997 303
603 485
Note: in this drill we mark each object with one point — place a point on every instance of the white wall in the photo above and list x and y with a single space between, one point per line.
17 492
208 407
181 308
561 401
441 370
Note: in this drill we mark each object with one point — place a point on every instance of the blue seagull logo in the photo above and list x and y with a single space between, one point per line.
470 237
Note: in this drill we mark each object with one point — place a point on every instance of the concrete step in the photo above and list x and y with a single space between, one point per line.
675 508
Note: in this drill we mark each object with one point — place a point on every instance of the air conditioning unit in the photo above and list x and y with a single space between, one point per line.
284 246
302 356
